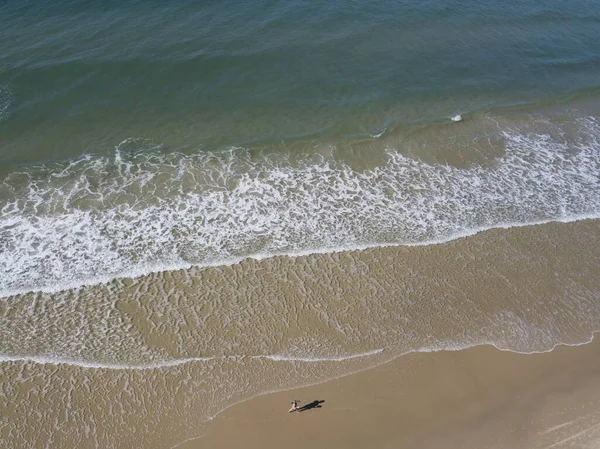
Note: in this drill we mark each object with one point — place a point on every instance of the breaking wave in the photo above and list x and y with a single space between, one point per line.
99 218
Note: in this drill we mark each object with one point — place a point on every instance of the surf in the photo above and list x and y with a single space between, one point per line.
138 213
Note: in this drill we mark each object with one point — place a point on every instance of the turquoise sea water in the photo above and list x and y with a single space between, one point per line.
145 135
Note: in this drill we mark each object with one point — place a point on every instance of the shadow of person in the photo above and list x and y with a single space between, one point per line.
314 404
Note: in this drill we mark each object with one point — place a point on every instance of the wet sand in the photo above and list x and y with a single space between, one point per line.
475 398
146 362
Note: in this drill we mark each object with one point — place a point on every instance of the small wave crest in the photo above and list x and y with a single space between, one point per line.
378 134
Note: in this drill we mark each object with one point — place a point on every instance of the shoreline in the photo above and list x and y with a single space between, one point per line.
258 257
430 400
522 290
378 364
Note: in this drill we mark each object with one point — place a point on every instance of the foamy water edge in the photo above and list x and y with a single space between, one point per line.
148 270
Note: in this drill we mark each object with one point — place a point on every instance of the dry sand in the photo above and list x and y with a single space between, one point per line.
476 398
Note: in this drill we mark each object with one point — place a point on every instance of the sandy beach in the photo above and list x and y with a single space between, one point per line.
476 398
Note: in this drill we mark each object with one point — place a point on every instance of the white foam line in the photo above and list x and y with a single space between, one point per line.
556 345
283 358
494 345
42 360
145 270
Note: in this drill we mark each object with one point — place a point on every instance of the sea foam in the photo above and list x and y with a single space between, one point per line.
100 218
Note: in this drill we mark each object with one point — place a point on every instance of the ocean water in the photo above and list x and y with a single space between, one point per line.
284 190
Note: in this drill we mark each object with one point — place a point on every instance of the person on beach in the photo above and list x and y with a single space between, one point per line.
294 406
